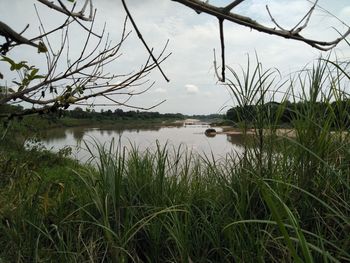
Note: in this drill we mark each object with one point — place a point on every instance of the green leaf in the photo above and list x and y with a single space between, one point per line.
25 82
42 48
10 61
33 72
22 64
14 65
39 77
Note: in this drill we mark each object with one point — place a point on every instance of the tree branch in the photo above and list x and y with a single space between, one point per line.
65 11
220 13
142 40
11 35
229 7
222 41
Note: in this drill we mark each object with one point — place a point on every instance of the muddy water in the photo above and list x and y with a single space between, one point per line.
191 137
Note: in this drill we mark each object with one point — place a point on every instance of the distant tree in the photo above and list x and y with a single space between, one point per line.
108 112
78 109
119 112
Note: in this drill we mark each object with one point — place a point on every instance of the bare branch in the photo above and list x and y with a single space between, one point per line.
142 39
216 68
222 41
229 7
306 18
295 29
220 13
64 10
11 35
273 19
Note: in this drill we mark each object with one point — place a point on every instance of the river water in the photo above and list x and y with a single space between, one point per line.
190 137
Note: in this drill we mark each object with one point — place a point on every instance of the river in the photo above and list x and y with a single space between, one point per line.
190 137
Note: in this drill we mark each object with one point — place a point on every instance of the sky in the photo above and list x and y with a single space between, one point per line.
193 86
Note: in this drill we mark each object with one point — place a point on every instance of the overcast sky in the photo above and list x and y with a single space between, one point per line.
193 88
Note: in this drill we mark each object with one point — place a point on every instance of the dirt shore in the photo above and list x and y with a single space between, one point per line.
283 132
236 131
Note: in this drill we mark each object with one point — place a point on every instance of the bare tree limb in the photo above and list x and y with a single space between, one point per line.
222 41
273 19
11 35
71 14
216 67
142 39
306 18
229 7
64 10
220 13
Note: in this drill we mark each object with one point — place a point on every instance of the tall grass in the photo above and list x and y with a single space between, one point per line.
285 199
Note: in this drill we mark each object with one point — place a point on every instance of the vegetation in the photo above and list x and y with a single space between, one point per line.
80 117
291 110
119 114
282 200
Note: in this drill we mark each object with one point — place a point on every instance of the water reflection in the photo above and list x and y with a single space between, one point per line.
193 137
236 139
78 134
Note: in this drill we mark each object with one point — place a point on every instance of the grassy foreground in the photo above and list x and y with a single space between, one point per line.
281 200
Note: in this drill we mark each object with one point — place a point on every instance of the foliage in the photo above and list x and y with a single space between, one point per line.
119 114
291 110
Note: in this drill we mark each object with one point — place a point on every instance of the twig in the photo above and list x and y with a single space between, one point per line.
71 14
306 18
274 20
222 42
142 40
229 7
65 11
216 67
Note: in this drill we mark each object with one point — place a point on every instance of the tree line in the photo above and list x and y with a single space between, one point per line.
119 114
287 113
79 113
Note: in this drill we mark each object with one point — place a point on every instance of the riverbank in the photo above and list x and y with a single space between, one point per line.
282 132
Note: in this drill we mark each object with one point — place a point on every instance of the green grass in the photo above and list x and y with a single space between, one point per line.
282 200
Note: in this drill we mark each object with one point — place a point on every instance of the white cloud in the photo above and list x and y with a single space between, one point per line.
191 89
159 90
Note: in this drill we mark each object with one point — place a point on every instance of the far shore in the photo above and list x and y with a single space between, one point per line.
237 131
282 132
